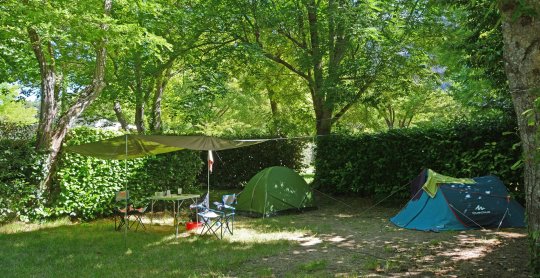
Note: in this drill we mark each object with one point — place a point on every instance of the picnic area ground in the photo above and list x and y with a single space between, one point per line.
341 238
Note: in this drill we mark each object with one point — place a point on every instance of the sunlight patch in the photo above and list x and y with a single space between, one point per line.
510 234
343 215
162 241
250 235
21 227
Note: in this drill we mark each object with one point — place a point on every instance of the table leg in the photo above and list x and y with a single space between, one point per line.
175 210
196 201
152 212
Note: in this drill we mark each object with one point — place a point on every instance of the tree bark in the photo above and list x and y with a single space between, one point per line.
275 130
49 107
521 37
52 136
161 83
119 115
139 97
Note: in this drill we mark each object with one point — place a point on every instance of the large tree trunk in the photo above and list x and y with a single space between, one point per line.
521 35
52 136
49 107
120 115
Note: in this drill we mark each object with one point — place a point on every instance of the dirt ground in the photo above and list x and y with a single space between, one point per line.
348 240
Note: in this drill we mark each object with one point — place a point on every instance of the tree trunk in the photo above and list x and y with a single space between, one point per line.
274 110
521 36
57 134
49 107
161 83
139 95
119 115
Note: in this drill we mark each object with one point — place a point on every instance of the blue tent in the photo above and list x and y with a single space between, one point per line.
483 202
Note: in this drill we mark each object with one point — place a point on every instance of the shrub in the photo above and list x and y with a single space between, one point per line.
376 165
20 166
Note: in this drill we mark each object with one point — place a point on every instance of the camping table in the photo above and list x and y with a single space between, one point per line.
177 201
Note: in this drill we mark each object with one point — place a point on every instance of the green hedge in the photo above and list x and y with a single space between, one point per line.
377 165
84 187
233 168
20 165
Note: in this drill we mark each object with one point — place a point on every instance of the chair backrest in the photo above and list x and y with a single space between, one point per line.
205 200
122 196
229 199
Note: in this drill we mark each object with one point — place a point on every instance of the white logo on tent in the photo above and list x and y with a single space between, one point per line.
479 207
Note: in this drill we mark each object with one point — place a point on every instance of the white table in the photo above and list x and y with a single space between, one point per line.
177 201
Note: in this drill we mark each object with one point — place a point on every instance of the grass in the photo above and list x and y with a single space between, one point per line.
336 240
96 250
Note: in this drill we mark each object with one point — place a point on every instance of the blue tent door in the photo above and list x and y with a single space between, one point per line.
428 214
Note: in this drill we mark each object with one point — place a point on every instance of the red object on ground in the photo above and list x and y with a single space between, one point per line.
193 225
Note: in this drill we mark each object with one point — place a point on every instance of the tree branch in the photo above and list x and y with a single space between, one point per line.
278 60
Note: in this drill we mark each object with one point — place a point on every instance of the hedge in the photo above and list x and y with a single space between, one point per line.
235 167
20 165
84 187
377 165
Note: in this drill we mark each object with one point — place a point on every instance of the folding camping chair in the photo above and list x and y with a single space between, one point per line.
212 220
121 218
228 211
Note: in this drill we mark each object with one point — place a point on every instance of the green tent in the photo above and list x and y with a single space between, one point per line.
274 190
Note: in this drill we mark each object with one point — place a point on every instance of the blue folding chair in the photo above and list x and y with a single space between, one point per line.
212 220
228 211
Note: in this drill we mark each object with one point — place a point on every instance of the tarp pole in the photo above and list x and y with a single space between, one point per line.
208 178
126 223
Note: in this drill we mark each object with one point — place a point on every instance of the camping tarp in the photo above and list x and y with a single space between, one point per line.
274 190
461 206
144 145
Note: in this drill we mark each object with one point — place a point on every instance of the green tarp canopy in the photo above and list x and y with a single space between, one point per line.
275 190
133 146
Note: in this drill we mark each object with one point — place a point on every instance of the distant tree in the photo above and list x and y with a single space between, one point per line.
14 110
62 47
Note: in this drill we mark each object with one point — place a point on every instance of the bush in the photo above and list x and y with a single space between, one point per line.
376 165
235 167
20 166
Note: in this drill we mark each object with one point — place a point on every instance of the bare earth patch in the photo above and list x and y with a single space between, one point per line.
348 241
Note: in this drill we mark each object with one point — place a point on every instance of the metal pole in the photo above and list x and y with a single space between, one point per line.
127 194
208 178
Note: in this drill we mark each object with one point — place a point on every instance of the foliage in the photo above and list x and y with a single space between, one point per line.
20 164
235 167
473 53
381 164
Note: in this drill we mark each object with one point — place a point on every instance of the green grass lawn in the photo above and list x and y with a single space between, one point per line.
96 250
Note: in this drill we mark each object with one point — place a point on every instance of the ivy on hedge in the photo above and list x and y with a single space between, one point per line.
377 165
